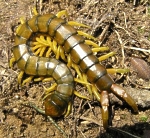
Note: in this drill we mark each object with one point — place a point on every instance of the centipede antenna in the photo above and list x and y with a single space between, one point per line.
49 118
73 23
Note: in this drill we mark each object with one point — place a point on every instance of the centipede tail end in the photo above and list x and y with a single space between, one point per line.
119 91
105 103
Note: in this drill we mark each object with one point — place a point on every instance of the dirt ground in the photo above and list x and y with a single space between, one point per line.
126 28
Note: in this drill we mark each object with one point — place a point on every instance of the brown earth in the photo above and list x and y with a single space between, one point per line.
126 24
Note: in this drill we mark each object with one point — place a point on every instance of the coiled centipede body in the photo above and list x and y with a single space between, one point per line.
81 54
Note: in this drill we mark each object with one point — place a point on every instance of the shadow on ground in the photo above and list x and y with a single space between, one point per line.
139 130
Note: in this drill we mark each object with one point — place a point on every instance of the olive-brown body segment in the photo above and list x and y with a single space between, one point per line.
81 54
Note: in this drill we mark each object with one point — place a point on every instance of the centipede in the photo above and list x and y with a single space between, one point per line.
74 45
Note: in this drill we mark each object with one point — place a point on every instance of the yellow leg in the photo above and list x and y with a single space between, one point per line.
82 77
52 88
69 109
11 62
22 82
54 47
104 57
42 51
58 53
81 96
34 11
42 40
100 49
113 71
48 53
20 76
62 13
73 23
36 47
47 79
89 42
86 35
69 61
39 79
27 80
88 86
62 53
22 20
81 81
96 93
49 41
37 52
49 90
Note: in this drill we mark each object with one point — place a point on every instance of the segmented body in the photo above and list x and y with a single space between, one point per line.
81 54
65 35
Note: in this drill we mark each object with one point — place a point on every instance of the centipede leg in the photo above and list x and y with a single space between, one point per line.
47 79
80 96
39 79
106 56
11 62
113 71
27 80
97 48
73 23
52 88
105 103
119 91
69 109
86 35
62 13
103 98
20 76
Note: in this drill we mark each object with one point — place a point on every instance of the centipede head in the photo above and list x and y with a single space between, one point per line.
55 106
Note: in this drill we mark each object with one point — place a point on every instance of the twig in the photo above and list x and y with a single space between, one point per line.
139 49
90 120
103 35
122 47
